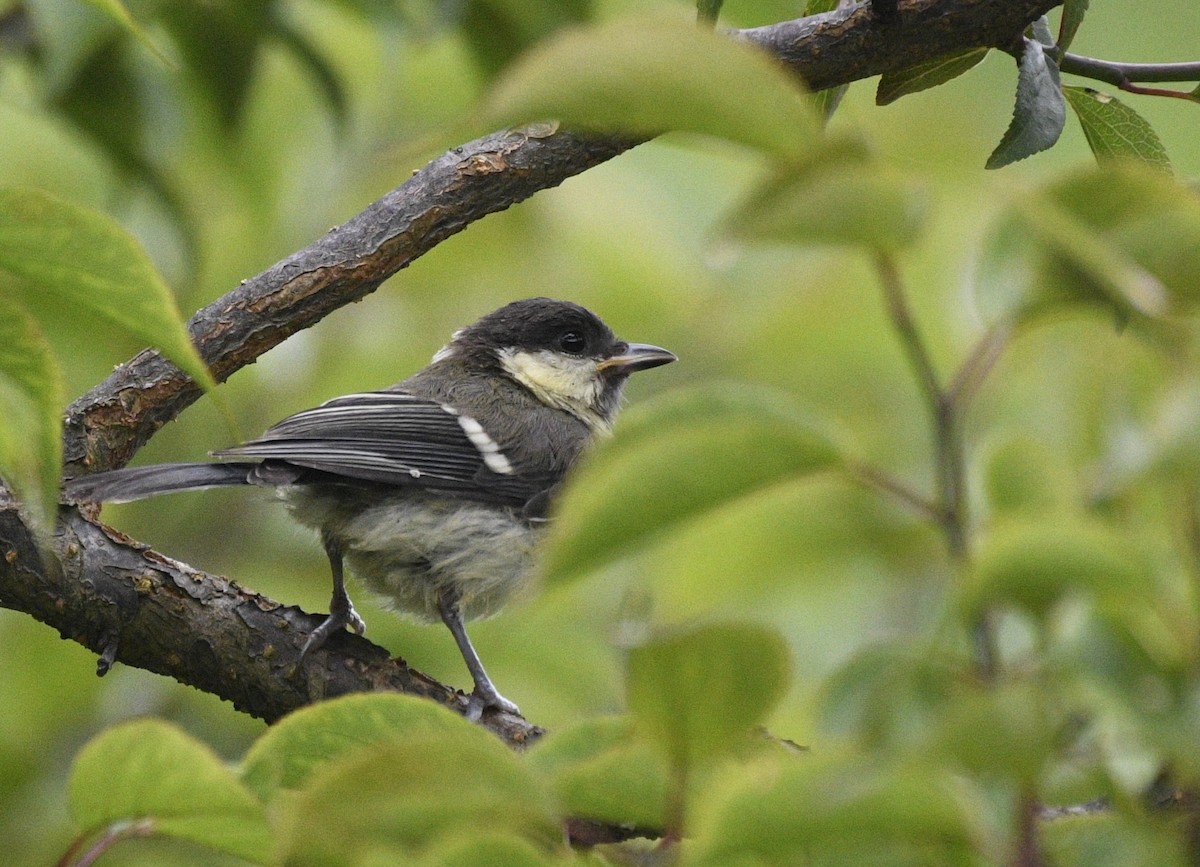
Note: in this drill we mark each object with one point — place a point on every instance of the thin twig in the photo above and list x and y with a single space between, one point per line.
1114 72
949 458
874 477
1124 75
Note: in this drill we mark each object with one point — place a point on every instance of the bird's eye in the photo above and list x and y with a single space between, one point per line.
572 342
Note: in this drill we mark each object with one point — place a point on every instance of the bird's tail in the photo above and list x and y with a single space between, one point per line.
136 483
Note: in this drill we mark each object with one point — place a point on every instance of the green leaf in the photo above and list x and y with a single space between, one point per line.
838 201
845 810
150 770
1113 129
699 692
646 75
931 73
30 442
221 42
402 795
116 10
600 770
86 260
498 31
1114 838
1145 216
1033 563
677 459
889 696
1022 475
1000 733
1039 113
1072 16
1123 235
290 751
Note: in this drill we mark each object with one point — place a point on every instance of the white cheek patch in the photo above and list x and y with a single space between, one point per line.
488 450
557 380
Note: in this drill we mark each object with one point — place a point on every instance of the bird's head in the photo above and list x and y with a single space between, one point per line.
561 352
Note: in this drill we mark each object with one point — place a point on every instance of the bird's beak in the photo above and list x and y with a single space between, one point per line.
637 356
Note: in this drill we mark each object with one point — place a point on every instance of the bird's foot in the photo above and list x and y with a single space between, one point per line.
484 698
339 618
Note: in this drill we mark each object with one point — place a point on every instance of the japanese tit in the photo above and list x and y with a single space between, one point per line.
433 490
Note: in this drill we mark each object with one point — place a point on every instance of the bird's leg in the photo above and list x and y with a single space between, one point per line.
341 609
485 694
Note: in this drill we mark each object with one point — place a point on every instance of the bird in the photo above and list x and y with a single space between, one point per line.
433 491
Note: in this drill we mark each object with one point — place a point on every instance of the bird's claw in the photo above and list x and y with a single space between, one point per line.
339 618
481 700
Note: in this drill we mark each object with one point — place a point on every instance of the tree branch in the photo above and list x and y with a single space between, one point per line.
124 601
130 604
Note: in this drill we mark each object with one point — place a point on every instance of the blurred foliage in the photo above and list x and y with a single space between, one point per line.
779 493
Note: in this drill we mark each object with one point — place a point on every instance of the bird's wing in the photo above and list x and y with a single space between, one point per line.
397 438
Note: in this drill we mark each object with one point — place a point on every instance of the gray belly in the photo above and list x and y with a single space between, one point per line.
410 546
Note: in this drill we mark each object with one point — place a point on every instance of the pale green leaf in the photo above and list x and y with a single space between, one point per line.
646 75
290 751
1113 129
1039 113
404 794
835 201
709 446
149 770
1033 563
1124 235
698 692
117 11
89 262
599 770
931 73
1072 16
30 442
849 810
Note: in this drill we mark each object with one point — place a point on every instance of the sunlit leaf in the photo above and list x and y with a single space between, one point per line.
403 794
150 770
1039 113
1072 16
837 201
699 691
290 751
599 770
89 262
648 74
30 447
931 73
709 447
1033 564
849 810
1113 129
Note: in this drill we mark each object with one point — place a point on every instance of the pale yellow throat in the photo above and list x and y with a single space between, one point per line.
571 384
